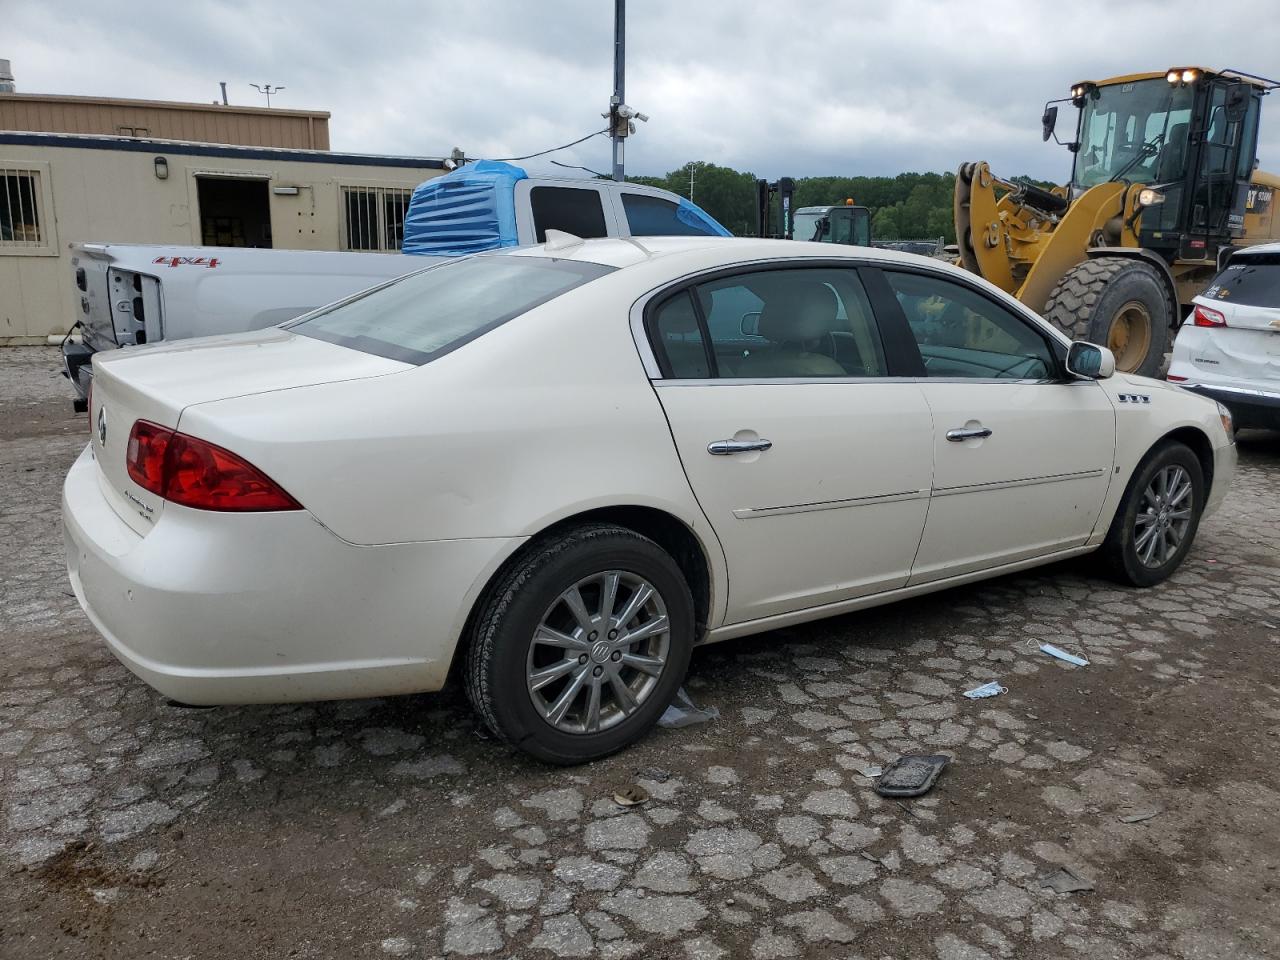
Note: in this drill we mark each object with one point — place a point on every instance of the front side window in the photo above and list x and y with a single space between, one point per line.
427 314
771 324
571 209
961 333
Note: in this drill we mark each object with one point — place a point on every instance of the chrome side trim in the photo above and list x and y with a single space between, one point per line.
799 381
1025 482
855 257
751 513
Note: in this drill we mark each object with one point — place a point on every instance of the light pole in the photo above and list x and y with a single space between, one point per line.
619 78
693 165
267 90
621 116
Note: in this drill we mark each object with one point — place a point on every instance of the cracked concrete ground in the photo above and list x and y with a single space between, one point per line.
133 828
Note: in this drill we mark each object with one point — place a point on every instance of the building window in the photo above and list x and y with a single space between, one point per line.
20 220
374 217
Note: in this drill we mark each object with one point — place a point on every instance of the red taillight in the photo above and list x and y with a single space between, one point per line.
196 473
144 457
1204 317
1175 378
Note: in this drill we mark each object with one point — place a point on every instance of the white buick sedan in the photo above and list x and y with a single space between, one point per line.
557 469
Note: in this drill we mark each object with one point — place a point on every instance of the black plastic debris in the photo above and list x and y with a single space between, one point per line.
1142 815
911 776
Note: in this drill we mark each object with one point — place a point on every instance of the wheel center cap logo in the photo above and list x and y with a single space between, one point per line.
600 651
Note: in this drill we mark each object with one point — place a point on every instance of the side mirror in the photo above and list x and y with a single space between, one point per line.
1088 361
1237 103
1048 122
750 325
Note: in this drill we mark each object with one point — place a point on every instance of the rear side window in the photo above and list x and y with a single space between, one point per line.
654 217
1251 280
679 338
570 209
427 314
802 323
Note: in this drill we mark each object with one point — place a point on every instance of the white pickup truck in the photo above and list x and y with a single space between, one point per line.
135 294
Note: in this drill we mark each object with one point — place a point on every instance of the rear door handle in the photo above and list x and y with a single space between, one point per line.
959 435
725 448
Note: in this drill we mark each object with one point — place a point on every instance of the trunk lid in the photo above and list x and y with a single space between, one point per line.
157 383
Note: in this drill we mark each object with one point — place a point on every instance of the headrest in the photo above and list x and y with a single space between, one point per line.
807 312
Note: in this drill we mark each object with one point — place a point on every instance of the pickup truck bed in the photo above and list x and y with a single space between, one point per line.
128 292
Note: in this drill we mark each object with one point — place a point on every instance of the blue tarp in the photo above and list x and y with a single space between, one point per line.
473 209
690 213
466 211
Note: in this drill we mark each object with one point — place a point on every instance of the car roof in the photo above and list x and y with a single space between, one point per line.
1256 248
628 251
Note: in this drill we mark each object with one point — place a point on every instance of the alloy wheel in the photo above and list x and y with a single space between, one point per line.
1164 516
598 652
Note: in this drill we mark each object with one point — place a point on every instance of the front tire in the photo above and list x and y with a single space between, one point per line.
581 644
1119 303
1158 517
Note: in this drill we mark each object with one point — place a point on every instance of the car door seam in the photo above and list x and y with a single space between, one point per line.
933 473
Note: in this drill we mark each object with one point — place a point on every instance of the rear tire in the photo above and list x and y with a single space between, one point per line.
550 668
1119 303
1149 537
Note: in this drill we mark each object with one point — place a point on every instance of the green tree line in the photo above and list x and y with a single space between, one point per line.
908 206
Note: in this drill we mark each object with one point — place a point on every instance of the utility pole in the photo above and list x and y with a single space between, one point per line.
619 76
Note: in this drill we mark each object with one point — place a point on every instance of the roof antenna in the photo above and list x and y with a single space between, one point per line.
561 240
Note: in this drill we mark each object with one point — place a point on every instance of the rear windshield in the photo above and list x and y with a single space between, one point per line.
427 314
1252 280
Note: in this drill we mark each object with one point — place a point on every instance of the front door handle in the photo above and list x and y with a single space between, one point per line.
959 435
725 448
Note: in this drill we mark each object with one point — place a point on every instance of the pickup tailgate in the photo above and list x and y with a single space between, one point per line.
158 383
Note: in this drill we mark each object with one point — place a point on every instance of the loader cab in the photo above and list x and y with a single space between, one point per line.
847 224
1190 135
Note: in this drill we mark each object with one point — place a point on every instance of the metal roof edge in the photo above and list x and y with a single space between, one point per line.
193 148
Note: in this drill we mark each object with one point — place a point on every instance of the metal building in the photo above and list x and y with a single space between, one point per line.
161 120
86 169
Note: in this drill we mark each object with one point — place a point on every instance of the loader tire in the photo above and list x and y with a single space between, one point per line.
1118 303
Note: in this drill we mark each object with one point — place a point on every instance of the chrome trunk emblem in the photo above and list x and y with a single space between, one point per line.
102 425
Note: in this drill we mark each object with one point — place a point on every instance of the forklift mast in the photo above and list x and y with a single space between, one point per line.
784 188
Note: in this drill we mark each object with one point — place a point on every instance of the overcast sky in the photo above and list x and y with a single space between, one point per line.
822 87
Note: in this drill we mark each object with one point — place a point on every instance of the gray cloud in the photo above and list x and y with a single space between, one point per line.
824 87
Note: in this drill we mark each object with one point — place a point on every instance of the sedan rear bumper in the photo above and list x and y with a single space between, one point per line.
215 608
1249 407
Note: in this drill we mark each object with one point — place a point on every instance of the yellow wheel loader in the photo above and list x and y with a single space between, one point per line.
1163 187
